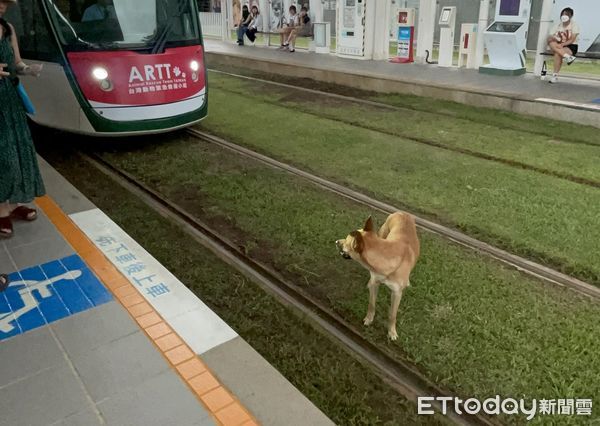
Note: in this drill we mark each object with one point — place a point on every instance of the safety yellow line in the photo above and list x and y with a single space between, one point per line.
219 402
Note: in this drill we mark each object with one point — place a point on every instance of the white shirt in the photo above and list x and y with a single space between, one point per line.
256 22
566 31
293 20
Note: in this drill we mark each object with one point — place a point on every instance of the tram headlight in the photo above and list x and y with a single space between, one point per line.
195 66
100 73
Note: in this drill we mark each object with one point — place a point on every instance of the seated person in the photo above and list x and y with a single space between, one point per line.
99 11
243 25
291 23
253 27
563 41
303 30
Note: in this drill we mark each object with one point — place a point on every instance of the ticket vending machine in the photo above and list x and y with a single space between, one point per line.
352 39
506 38
405 33
447 23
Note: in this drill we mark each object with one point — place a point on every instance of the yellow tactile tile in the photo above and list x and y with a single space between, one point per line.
140 309
158 330
131 299
191 368
168 342
233 415
217 398
222 405
124 291
204 383
179 354
148 319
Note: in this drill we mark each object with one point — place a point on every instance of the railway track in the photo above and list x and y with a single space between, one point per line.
476 154
514 261
402 376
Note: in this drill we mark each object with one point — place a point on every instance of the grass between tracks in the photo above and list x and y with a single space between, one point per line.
541 217
470 324
553 129
340 386
555 156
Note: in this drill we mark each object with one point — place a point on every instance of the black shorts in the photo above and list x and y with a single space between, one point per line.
573 48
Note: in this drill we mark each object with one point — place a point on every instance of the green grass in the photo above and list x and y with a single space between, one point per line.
553 129
539 151
545 218
471 325
340 386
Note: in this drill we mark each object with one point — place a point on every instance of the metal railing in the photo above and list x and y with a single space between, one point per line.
212 24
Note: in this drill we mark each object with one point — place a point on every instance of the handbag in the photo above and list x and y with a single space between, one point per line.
25 99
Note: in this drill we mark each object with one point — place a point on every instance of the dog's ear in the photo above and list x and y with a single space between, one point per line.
368 225
357 241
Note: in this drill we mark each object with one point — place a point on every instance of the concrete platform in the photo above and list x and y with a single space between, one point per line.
570 100
93 330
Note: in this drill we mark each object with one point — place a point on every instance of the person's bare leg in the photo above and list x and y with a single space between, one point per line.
5 211
555 47
558 58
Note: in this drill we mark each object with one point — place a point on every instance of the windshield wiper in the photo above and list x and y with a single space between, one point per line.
67 24
162 38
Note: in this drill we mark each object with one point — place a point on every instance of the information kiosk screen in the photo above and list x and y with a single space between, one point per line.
509 7
505 27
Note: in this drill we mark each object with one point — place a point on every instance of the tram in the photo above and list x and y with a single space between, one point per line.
113 67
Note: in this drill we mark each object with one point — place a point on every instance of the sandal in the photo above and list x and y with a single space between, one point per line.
6 227
24 213
4 281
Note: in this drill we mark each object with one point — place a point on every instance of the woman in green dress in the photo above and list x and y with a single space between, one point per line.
20 180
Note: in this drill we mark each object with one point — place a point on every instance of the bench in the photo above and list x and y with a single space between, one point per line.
310 35
581 55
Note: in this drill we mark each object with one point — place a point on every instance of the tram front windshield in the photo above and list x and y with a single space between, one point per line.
123 24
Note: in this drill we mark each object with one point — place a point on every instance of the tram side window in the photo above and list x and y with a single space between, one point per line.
35 40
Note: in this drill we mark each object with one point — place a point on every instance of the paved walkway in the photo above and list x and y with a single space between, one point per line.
93 330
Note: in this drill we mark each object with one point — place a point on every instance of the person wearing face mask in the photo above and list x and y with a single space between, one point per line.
243 25
563 41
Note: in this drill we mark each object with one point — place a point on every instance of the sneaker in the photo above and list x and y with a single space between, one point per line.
292 50
284 46
553 79
570 60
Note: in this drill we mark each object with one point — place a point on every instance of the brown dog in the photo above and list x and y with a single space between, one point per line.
389 255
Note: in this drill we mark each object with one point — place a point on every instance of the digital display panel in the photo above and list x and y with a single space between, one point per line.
505 27
445 15
509 7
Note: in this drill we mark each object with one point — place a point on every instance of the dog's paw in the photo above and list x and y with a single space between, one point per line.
392 335
368 320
